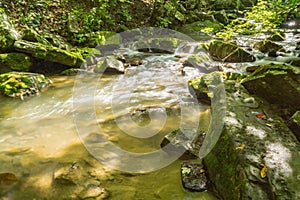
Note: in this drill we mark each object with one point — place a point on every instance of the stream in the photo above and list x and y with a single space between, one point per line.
40 134
43 141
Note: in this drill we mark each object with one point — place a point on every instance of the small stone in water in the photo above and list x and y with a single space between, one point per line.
193 177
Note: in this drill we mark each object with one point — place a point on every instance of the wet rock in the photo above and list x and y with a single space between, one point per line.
8 34
14 62
269 47
20 84
193 177
93 192
200 61
70 174
157 45
278 84
109 64
294 124
190 143
255 157
228 52
49 53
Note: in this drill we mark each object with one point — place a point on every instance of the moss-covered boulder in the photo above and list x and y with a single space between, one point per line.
20 84
49 53
278 84
256 156
14 62
8 34
228 52
269 47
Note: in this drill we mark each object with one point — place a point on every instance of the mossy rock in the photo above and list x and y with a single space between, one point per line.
255 157
228 52
20 84
49 53
8 34
278 84
14 62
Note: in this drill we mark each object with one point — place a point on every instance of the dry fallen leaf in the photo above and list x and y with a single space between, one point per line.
241 146
263 171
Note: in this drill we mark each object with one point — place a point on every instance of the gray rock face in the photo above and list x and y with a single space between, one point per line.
256 156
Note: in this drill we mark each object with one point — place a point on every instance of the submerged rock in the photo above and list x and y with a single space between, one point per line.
14 62
256 156
193 177
20 84
228 52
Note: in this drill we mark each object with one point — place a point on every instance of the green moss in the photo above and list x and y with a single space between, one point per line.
17 84
14 62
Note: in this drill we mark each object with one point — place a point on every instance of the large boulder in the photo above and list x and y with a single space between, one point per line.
14 62
20 84
278 84
49 53
228 52
8 34
256 156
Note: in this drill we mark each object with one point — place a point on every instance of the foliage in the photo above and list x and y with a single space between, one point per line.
265 16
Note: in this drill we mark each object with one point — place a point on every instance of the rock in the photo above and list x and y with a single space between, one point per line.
193 177
20 84
180 140
255 157
93 192
70 174
49 53
8 34
109 64
157 45
278 84
14 62
200 61
294 124
269 47
32 36
228 52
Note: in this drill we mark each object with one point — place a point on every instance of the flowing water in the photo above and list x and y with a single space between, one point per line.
42 133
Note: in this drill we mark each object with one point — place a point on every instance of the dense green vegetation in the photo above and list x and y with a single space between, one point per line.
71 19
